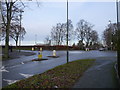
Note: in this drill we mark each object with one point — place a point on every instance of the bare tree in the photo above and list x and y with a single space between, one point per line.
48 40
2 32
70 30
7 17
17 33
88 30
80 44
85 33
80 30
58 33
110 36
9 13
94 37
10 9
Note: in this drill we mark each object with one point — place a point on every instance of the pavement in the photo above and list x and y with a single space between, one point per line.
101 75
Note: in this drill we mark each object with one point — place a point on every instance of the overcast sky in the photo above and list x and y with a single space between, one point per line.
38 21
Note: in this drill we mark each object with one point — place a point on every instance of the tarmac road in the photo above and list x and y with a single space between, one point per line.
20 68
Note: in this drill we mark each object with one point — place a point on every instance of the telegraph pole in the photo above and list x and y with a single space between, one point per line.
67 35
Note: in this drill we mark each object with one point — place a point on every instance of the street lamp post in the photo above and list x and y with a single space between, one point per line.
118 37
67 35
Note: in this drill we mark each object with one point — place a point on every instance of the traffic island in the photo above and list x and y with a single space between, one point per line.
53 56
39 59
39 56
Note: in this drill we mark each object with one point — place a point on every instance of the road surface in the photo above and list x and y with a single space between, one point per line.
17 69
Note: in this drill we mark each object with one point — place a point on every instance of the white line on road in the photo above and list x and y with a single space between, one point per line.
2 69
10 81
26 75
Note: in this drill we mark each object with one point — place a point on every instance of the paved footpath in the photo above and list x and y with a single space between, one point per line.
100 75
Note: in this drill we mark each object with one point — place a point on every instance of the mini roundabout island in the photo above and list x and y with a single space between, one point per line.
54 54
41 59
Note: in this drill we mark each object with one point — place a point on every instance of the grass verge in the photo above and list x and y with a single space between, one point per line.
63 76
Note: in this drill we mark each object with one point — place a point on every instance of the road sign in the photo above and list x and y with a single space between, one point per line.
39 54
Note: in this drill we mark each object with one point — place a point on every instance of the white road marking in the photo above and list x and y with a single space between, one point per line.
10 81
22 63
2 69
26 75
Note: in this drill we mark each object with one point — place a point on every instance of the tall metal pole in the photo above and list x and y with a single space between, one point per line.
118 38
67 35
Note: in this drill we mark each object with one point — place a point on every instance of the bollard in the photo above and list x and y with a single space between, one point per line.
40 54
40 49
54 52
87 49
32 48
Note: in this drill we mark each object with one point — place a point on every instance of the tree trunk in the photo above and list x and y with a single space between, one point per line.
7 41
9 12
16 43
7 36
87 44
16 40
